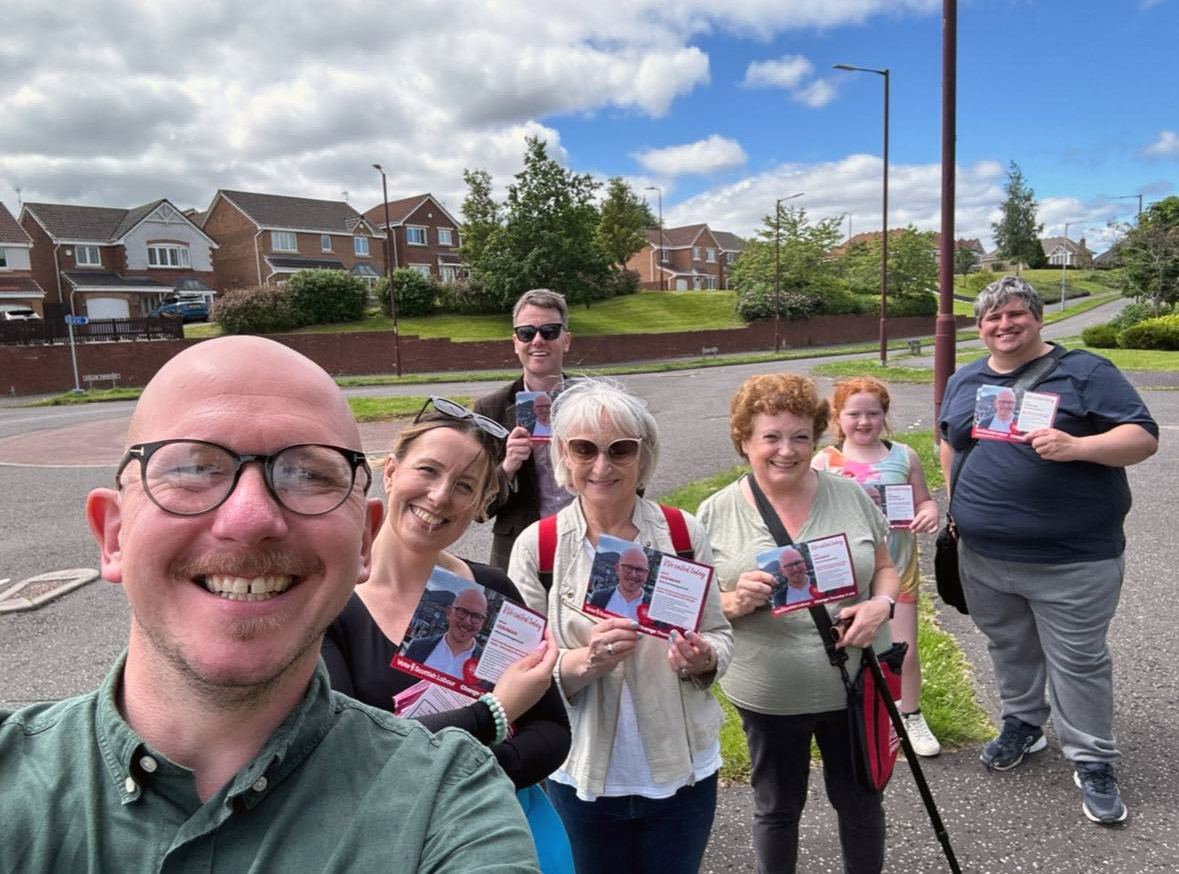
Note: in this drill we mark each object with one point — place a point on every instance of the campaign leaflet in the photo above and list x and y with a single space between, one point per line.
897 503
1001 414
463 635
533 413
424 698
808 573
662 592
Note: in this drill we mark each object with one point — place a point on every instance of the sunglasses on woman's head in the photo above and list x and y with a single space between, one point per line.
455 410
622 450
525 333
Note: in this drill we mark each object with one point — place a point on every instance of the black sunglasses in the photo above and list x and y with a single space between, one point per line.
525 333
455 410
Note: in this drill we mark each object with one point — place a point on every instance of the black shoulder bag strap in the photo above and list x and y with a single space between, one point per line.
822 619
1039 370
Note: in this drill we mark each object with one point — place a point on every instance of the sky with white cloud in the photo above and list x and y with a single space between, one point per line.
723 107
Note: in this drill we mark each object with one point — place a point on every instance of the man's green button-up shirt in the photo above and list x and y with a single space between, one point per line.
339 787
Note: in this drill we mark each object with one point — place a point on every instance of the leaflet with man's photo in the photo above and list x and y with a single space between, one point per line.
999 413
661 591
534 414
898 504
462 635
424 698
808 573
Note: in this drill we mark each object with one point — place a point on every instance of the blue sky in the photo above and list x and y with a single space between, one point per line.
724 107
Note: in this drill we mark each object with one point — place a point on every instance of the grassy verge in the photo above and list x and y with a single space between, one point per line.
382 409
947 693
90 396
840 369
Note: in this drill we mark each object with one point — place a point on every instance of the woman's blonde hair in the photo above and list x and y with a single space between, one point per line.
489 473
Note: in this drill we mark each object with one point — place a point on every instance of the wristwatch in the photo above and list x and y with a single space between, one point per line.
892 603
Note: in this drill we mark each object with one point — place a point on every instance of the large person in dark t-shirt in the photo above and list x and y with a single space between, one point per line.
1041 548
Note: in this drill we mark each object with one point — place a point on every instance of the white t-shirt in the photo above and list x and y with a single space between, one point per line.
449 663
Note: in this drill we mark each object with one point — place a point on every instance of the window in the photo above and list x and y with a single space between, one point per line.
325 242
445 237
451 273
283 241
710 254
415 236
423 269
712 283
87 256
3 257
167 255
695 253
360 246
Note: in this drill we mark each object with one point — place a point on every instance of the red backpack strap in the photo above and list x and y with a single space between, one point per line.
546 550
681 541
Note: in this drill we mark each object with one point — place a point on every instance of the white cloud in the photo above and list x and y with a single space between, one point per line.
711 155
1166 146
851 186
793 73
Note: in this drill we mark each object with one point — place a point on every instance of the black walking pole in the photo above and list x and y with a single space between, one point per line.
911 757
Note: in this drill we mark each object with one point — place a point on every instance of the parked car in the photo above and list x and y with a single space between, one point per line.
18 315
189 309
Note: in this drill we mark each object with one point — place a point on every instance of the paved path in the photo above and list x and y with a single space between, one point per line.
1027 820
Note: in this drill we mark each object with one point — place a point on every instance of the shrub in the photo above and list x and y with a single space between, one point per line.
841 302
417 295
265 309
911 305
623 281
1157 333
1051 294
757 302
1133 313
1100 336
323 296
467 297
976 282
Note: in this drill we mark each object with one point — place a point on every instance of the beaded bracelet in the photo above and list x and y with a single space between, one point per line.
498 714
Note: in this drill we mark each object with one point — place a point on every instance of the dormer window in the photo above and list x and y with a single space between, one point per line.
167 255
87 256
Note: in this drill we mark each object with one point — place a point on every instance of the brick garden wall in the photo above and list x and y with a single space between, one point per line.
45 369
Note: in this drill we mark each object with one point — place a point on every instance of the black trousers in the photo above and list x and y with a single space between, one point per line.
779 749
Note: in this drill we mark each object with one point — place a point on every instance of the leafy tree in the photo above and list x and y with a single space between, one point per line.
1151 252
1017 235
416 294
546 236
807 275
324 296
480 215
964 260
912 267
622 219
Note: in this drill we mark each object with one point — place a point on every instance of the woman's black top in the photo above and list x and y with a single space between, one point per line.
359 656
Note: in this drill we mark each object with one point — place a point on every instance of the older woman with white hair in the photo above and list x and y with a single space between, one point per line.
638 790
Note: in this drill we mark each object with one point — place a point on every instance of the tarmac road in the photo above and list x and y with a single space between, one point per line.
1026 820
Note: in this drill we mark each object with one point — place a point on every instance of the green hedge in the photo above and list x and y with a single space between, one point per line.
265 309
1158 333
1100 336
417 295
325 296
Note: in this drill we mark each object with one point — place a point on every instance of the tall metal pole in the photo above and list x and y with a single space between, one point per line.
389 271
1131 197
884 213
1064 266
778 268
659 258
945 327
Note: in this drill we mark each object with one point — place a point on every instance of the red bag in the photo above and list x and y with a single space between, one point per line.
874 739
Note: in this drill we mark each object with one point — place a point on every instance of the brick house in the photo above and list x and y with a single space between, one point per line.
1063 251
690 258
264 238
18 289
115 263
425 236
731 248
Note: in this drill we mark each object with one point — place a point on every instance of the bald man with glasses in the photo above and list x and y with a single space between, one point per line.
237 527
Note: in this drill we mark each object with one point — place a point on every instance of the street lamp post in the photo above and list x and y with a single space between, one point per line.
1064 265
389 270
884 213
778 268
1131 197
659 257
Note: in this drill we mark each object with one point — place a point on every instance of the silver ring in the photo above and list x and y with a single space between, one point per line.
609 648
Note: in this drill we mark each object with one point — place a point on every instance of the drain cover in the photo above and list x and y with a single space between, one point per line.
35 591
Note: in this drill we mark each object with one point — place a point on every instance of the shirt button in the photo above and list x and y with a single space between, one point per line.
129 785
260 785
148 764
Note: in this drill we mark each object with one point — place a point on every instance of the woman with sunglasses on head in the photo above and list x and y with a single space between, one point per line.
439 476
783 685
638 790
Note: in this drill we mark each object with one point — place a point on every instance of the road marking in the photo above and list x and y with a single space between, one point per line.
95 465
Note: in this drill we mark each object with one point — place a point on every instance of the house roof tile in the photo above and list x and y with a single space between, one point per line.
400 210
15 283
729 242
91 224
305 263
10 229
110 279
296 213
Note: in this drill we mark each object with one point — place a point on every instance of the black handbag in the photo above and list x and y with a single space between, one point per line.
945 556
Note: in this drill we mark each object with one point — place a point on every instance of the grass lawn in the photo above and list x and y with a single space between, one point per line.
89 396
947 692
1048 279
382 409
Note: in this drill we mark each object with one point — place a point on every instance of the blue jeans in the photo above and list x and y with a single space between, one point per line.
631 834
780 756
